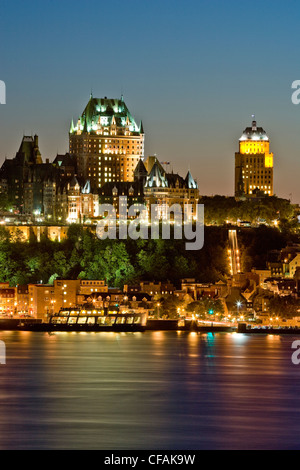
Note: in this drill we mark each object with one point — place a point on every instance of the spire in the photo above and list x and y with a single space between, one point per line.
87 188
72 128
141 128
190 182
140 172
156 178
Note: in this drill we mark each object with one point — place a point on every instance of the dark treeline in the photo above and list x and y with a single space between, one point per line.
219 209
83 255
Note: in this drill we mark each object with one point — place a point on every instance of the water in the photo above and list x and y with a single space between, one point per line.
152 391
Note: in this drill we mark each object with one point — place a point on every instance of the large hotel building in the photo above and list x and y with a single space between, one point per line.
104 163
254 164
106 142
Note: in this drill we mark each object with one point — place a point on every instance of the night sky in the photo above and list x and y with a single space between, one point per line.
194 71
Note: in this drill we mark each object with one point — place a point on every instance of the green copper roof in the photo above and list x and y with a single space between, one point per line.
72 128
191 183
156 178
101 111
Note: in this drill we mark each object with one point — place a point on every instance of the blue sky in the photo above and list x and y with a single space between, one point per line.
193 71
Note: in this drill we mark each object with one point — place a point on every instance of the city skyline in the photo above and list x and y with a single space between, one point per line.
194 111
149 227
170 164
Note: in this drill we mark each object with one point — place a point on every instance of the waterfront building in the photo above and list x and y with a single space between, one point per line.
88 287
199 290
7 299
154 288
45 300
254 164
22 299
40 303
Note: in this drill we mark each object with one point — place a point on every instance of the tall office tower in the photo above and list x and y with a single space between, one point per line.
106 142
254 164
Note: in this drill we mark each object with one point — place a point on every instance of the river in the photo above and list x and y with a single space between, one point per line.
151 391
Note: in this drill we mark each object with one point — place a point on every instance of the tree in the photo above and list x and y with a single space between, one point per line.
285 307
205 307
112 264
169 306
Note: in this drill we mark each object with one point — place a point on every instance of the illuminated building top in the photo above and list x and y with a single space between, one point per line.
254 133
255 141
158 178
103 115
106 142
254 163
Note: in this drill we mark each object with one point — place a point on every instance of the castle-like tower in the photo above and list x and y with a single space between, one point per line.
106 142
166 189
254 164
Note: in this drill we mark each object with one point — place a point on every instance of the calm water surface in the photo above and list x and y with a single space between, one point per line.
154 390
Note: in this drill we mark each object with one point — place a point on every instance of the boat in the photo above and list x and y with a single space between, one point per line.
90 319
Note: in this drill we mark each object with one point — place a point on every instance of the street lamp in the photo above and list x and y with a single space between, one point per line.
158 305
239 304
